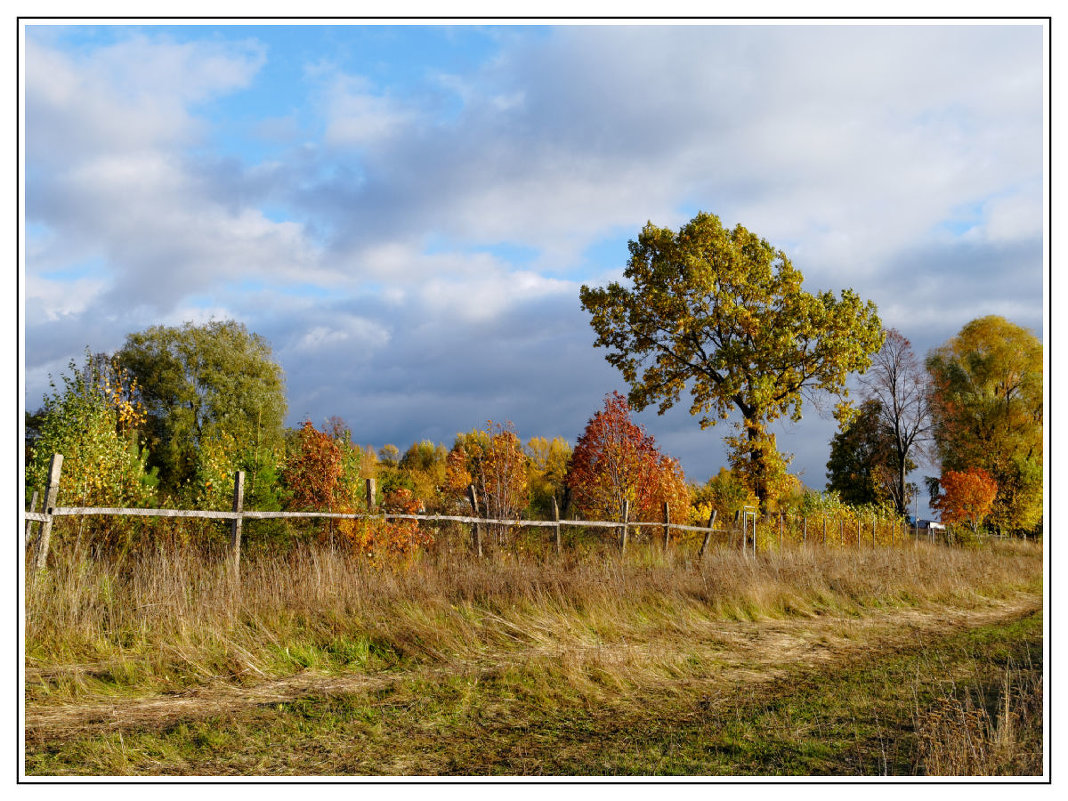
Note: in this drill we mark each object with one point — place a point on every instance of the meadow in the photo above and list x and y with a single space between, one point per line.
903 661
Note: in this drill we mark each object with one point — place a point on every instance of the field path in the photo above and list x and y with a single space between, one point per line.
744 652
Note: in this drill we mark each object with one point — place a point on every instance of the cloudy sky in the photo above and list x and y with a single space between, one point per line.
407 213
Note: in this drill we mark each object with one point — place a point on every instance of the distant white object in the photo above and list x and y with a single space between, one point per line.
934 525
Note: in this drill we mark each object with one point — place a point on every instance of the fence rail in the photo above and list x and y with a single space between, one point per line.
239 514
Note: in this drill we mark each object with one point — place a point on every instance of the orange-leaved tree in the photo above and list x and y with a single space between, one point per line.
967 496
312 471
615 460
491 459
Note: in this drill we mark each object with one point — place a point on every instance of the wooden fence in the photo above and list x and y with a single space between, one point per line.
238 514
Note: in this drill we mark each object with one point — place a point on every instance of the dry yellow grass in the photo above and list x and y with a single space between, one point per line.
165 640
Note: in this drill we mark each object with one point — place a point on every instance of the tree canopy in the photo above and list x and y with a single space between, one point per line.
92 422
204 382
722 313
615 460
863 466
987 409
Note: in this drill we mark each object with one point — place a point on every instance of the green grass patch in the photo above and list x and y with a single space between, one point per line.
857 717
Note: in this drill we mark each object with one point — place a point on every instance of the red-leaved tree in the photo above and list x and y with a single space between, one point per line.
615 460
967 496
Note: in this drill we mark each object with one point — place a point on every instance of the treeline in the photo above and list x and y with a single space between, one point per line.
171 416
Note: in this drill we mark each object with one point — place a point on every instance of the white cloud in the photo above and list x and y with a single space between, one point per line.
851 147
490 296
357 117
365 334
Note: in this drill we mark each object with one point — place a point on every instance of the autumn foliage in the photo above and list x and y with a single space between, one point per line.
389 542
312 472
491 459
967 496
615 460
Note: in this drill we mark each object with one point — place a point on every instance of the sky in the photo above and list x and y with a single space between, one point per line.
406 213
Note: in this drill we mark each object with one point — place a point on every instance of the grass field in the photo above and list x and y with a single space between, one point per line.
908 661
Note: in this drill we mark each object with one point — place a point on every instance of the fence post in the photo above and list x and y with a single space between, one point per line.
235 525
780 531
33 508
623 539
804 530
667 522
556 528
824 529
708 534
55 467
873 531
476 542
370 488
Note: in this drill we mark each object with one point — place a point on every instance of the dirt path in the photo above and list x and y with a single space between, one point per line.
748 651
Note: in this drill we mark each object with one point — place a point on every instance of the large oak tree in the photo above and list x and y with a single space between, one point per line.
721 313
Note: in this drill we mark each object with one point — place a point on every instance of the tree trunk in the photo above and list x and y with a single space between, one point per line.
759 465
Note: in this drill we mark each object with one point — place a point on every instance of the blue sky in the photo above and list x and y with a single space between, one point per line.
407 212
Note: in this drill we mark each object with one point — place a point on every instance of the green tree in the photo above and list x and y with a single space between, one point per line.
204 382
863 466
91 421
987 409
722 313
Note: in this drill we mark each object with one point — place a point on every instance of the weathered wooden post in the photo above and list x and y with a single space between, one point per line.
873 531
667 523
804 529
708 534
780 531
476 534
370 489
623 538
235 525
55 467
825 529
33 508
556 528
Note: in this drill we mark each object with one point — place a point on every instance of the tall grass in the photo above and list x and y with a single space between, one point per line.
995 730
174 617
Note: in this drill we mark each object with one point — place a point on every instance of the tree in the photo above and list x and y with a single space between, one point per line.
899 384
547 465
726 493
92 422
987 411
313 472
967 497
863 466
491 459
723 313
615 460
199 382
424 465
